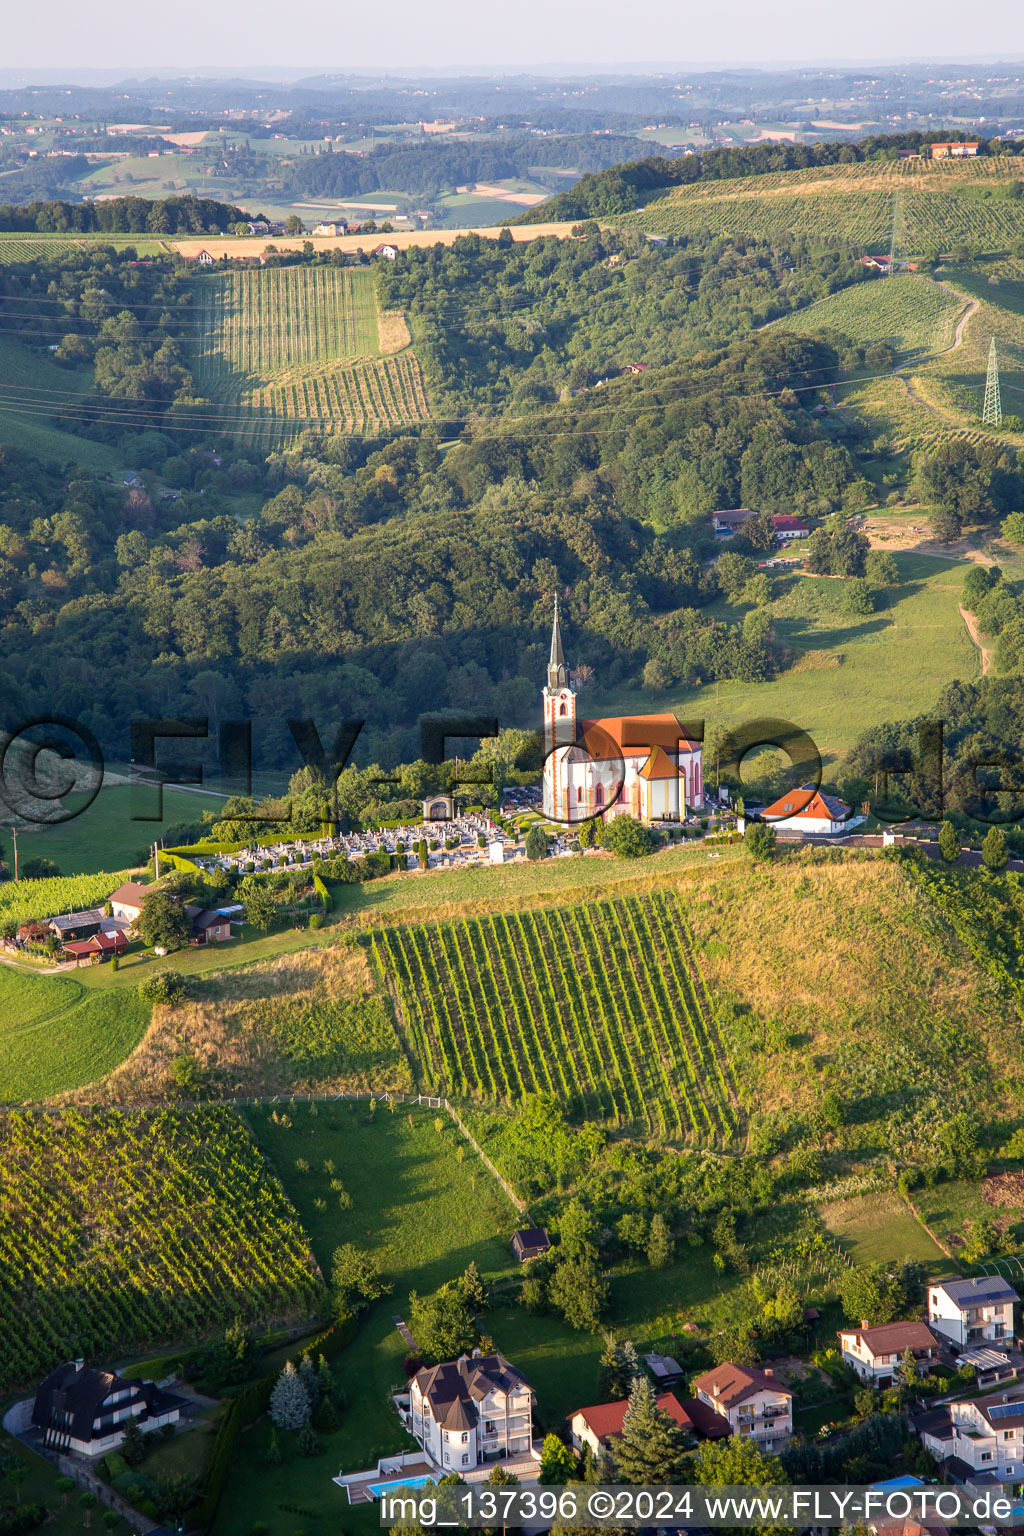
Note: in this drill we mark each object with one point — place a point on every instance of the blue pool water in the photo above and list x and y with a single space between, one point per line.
399 1482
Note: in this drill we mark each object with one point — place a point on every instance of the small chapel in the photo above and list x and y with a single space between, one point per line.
638 765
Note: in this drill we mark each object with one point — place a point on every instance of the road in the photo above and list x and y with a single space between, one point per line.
986 652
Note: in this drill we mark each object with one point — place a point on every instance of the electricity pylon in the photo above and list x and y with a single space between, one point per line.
992 411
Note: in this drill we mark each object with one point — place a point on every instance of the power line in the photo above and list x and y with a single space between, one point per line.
992 410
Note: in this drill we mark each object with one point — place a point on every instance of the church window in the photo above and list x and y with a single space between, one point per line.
599 795
563 709
579 794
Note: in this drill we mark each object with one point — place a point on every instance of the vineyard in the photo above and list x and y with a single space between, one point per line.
601 1005
913 314
30 247
122 1231
284 350
940 204
21 900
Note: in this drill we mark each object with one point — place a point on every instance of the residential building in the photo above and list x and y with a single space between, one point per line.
330 227
471 1410
531 1243
979 1440
787 528
595 1426
208 925
84 1411
955 151
726 523
751 1401
967 1311
641 765
389 252
101 946
205 259
126 902
76 925
875 1352
807 810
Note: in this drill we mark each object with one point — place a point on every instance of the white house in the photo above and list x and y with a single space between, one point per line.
84 1411
206 259
967 1311
875 1352
471 1410
726 523
787 528
597 1425
389 252
807 810
126 902
978 1440
752 1402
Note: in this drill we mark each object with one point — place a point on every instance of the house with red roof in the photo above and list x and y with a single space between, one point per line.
753 1402
595 1426
101 946
787 528
807 810
875 1352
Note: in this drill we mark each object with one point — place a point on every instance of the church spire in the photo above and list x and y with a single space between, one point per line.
558 672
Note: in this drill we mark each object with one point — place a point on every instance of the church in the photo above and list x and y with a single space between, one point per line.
638 765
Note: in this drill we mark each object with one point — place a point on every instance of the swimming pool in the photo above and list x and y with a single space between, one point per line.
399 1482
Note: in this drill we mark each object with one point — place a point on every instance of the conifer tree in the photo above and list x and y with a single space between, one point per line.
308 1377
557 1462
949 843
289 1401
659 1243
993 849
652 1448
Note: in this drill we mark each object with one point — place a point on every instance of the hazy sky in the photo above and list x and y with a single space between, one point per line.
316 35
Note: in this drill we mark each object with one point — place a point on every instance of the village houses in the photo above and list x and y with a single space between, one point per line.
968 1311
471 1410
751 1401
875 1352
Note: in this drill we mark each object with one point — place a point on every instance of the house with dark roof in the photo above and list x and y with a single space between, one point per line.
76 925
209 926
980 1441
83 1411
967 1311
530 1243
752 1402
595 1426
875 1352
476 1409
728 521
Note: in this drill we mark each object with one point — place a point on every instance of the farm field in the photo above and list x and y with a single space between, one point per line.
912 313
169 1224
31 246
285 350
56 1036
255 245
21 900
880 1227
940 203
32 391
601 1005
105 833
840 683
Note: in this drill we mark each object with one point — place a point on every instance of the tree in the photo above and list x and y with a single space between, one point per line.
651 1448
133 1445
577 1234
274 1456
659 1244
557 1462
357 1276
1013 528
536 843
958 1138
176 1493
865 1400
164 923
993 849
629 838
289 1403
881 568
579 1293
737 1462
442 1324
258 903
309 1444
879 1293
949 843
759 841
16 1476
474 1291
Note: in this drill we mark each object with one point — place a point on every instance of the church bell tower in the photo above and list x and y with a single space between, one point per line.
559 725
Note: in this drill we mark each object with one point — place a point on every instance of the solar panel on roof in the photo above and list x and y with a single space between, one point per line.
1006 1411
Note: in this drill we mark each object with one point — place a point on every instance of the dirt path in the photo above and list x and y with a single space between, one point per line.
985 652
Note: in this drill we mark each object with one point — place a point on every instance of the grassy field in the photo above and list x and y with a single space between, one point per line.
600 1005
878 1228
32 391
941 202
56 1036
104 834
912 313
301 347
847 675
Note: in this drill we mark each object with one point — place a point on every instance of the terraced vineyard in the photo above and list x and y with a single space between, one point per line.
912 313
119 1231
601 1005
280 351
940 203
30 247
